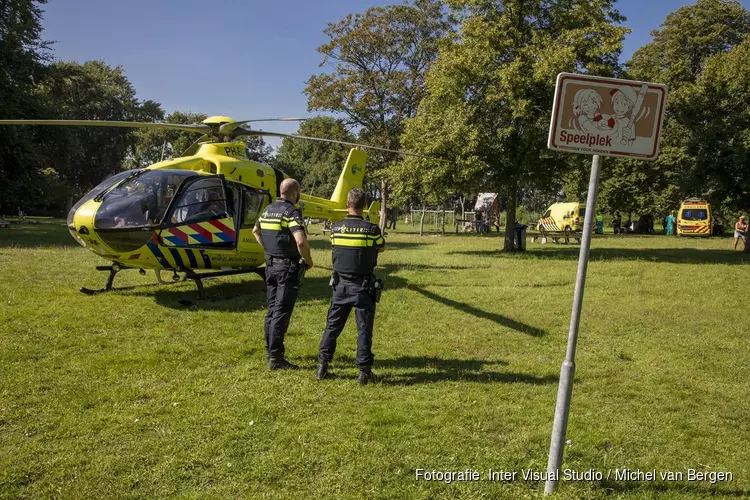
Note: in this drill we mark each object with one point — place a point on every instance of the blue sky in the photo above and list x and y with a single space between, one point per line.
246 59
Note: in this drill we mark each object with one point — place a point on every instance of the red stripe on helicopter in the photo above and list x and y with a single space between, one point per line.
202 231
223 228
134 256
182 236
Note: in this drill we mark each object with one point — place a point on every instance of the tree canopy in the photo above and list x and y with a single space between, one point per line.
22 57
490 92
378 62
687 37
467 82
153 145
83 156
317 165
689 41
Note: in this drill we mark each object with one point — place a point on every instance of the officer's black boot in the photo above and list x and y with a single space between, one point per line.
322 371
281 364
366 376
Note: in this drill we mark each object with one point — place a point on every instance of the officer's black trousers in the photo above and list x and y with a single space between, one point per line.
348 295
281 292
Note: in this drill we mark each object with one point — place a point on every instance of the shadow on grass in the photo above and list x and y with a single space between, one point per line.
429 369
247 295
390 268
251 294
671 487
494 317
669 255
47 233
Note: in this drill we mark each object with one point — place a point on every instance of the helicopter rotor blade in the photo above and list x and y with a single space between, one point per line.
274 120
228 128
197 127
239 132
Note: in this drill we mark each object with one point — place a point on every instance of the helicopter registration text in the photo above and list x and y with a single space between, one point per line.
234 151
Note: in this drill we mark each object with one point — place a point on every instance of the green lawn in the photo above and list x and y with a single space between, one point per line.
133 394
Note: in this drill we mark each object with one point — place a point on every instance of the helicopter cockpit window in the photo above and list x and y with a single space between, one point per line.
203 200
253 203
141 201
99 189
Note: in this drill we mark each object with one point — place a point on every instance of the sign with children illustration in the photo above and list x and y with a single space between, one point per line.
607 116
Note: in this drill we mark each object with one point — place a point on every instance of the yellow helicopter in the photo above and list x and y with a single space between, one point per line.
196 211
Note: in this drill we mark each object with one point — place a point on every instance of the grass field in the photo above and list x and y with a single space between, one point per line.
132 394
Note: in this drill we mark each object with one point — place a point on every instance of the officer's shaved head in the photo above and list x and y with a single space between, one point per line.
289 188
356 199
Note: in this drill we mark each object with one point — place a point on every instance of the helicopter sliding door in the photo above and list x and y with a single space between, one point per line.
202 215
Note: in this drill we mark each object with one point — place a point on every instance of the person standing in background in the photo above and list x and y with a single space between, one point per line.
669 221
740 231
355 245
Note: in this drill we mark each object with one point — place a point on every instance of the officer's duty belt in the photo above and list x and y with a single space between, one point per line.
357 280
270 260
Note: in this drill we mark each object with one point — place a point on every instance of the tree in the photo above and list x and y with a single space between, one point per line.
713 120
490 92
22 57
317 165
154 145
258 150
686 38
83 156
378 61
678 54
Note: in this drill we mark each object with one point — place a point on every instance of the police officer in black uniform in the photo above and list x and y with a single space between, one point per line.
281 232
356 243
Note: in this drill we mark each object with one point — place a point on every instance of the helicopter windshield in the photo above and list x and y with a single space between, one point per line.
142 201
100 188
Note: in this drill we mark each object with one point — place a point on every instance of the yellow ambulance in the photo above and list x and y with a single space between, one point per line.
694 218
563 217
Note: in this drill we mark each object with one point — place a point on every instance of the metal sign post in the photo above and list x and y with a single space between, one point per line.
600 117
568 369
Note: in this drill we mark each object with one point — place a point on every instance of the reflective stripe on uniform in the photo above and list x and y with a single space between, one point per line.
356 240
279 221
355 243
350 242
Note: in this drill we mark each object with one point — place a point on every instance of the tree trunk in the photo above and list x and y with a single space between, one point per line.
68 205
510 217
421 222
383 207
442 230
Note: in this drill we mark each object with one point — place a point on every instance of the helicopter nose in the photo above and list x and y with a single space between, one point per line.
75 236
81 221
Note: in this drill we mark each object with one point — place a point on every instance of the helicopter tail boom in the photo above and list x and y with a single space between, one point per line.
351 177
334 209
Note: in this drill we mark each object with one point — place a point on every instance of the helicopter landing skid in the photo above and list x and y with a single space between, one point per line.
198 278
189 275
113 270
